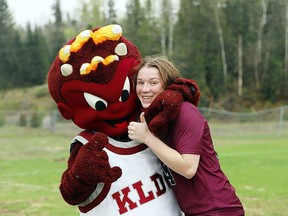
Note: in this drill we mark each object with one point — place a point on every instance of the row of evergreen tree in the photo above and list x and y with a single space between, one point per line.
234 49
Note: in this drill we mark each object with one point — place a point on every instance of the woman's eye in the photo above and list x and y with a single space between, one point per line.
95 102
125 91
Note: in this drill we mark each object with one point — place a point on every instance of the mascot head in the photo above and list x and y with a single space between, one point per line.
91 80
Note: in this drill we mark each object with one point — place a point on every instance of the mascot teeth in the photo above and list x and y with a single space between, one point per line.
121 49
85 69
66 69
117 29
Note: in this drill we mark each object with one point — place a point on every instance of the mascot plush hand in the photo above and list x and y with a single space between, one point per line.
107 174
165 108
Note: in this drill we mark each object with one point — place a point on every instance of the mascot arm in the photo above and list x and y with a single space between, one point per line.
165 108
88 165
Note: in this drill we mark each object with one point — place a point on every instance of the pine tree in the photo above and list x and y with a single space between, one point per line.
112 17
7 61
273 82
57 37
91 14
18 75
141 28
189 41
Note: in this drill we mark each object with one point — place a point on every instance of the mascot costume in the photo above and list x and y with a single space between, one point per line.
108 174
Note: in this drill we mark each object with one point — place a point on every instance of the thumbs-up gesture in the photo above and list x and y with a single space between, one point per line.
139 131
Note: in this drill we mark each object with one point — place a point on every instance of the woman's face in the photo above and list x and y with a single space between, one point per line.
149 85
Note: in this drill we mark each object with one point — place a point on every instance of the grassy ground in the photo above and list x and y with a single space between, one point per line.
257 167
31 163
32 160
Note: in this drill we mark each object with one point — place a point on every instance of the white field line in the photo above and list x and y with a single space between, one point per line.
27 186
7 183
30 173
10 184
251 153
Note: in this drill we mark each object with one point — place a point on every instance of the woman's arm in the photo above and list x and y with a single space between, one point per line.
184 164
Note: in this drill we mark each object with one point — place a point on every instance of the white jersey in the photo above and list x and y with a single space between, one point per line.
141 190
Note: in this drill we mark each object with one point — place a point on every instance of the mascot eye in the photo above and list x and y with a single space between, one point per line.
95 102
126 91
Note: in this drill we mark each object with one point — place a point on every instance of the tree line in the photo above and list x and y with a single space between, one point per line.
237 50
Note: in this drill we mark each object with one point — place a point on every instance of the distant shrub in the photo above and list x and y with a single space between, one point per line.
35 121
2 120
22 120
43 92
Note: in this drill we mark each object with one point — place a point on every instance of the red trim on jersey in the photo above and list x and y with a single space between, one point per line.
86 134
118 150
126 151
97 200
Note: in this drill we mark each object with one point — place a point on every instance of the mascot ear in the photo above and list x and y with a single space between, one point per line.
65 110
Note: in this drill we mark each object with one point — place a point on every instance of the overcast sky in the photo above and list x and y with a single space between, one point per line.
39 11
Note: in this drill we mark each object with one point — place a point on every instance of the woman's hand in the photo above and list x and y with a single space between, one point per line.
184 164
139 131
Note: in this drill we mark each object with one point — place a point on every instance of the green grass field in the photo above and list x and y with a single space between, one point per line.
32 161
